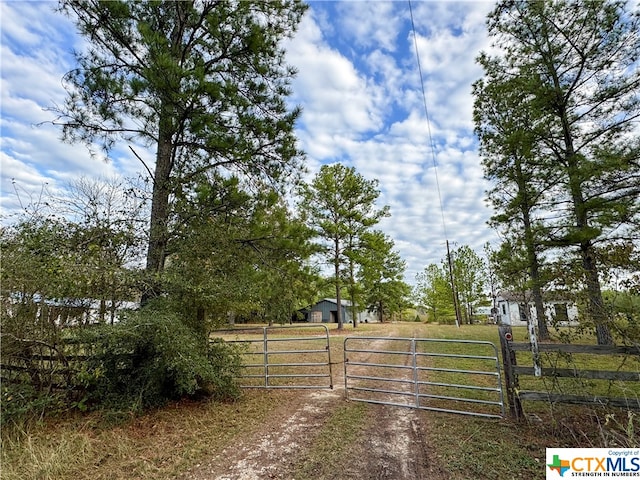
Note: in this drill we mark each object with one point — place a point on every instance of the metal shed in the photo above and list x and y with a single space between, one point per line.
326 311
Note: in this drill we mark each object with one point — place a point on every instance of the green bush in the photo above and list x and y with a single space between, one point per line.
22 404
152 357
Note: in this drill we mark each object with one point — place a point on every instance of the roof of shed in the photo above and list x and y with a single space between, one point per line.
343 302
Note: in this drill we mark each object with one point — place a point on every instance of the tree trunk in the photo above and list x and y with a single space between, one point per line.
595 301
352 293
532 257
158 228
351 245
336 265
536 288
339 307
596 309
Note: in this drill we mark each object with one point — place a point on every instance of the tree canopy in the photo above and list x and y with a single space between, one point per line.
381 275
339 205
435 292
203 85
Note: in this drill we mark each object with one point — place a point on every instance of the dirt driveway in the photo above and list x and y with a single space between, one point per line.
391 445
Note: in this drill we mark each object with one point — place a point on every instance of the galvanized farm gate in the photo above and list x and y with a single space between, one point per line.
455 376
283 356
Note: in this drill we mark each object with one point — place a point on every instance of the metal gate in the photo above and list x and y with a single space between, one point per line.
455 376
282 356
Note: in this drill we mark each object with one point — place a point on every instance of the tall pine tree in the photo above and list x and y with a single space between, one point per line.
339 205
577 68
520 190
203 83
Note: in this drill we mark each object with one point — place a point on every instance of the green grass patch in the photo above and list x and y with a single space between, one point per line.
487 449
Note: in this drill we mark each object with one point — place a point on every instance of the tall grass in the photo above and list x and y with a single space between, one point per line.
157 445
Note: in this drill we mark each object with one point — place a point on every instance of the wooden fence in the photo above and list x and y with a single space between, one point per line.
513 372
46 367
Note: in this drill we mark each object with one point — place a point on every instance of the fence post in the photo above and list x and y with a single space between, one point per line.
533 340
510 378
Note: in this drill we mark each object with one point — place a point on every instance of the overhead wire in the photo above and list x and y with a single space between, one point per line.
435 165
426 113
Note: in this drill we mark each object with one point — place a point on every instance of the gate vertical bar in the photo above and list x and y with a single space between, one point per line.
303 371
266 356
345 363
416 385
326 330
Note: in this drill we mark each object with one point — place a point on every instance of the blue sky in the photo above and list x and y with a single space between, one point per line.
359 88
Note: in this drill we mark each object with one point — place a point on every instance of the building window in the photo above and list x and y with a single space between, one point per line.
523 312
561 313
504 309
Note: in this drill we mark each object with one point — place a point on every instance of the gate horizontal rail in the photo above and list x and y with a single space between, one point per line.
425 373
276 358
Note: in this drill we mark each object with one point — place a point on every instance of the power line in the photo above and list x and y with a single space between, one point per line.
426 113
435 167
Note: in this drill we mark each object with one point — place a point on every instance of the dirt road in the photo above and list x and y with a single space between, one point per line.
392 446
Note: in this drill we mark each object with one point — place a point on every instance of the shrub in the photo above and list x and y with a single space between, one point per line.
152 357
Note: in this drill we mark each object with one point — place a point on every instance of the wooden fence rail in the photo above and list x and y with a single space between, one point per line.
512 372
44 366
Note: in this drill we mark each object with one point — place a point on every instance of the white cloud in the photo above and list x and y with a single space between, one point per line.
36 51
29 23
337 101
343 107
370 24
449 37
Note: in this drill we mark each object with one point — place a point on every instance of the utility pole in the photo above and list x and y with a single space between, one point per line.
454 290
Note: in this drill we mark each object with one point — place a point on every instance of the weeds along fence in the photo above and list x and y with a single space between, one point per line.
272 357
595 375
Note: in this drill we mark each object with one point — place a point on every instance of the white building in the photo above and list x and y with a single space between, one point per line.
512 310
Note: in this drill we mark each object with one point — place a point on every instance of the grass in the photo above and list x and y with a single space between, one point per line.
510 449
156 445
164 443
487 449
